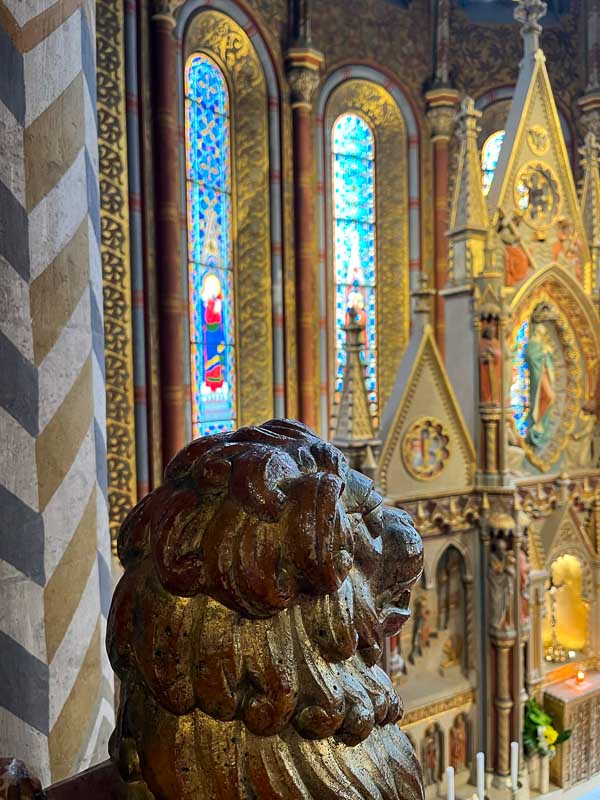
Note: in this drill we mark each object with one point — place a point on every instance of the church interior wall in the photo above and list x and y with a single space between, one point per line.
496 505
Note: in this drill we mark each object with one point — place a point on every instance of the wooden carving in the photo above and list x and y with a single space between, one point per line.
17 783
260 582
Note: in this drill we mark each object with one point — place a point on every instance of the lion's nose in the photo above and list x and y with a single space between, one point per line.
402 562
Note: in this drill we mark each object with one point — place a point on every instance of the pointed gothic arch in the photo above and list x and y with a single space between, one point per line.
566 291
257 234
367 92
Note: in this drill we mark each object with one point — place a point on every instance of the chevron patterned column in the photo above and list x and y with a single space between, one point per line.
56 691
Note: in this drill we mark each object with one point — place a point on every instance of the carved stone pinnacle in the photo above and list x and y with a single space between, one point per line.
528 13
590 151
468 118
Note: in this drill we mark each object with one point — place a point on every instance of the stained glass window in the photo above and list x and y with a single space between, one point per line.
490 154
210 269
519 389
353 170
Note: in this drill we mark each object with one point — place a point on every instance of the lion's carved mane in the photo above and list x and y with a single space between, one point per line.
260 582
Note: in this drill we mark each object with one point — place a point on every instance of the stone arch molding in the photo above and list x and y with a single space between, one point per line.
367 92
463 552
222 31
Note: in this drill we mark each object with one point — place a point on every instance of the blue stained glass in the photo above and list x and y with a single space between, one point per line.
208 155
210 428
211 279
519 389
354 237
209 226
352 136
354 183
354 250
490 153
205 83
213 399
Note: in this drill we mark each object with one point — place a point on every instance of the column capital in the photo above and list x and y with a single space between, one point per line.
303 67
164 11
442 105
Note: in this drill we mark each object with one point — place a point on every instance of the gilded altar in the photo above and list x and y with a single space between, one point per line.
575 706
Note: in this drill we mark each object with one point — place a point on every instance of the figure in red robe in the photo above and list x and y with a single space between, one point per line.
490 367
214 332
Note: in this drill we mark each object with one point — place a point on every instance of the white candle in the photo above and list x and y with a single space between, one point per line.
480 776
450 783
514 765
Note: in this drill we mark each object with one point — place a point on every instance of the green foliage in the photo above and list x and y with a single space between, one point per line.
539 734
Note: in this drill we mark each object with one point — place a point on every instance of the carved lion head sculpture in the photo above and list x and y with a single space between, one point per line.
260 582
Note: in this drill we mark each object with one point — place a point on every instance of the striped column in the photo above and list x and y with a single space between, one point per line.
55 682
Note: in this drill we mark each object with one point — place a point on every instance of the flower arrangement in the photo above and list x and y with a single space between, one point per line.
539 735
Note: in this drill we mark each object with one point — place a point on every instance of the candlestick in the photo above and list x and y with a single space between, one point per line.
514 765
480 776
450 783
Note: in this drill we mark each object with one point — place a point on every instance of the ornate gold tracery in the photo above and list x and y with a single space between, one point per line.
221 38
378 108
116 276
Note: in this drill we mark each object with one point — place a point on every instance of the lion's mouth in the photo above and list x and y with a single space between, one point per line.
395 609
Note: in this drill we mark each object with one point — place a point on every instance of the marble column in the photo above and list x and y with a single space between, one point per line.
442 105
502 582
303 68
56 689
171 311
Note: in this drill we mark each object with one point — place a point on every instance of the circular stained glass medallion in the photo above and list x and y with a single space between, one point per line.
425 448
537 195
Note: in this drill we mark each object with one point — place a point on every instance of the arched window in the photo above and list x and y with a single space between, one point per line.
490 153
369 227
354 241
210 269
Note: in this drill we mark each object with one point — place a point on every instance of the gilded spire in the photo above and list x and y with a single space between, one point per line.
469 211
529 13
353 430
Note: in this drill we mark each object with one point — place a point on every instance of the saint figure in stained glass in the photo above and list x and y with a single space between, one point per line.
353 184
490 154
211 280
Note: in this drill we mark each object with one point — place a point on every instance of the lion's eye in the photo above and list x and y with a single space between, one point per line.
359 494
374 521
372 502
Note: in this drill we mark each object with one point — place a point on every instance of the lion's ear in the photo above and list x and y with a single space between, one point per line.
177 540
319 536
256 477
